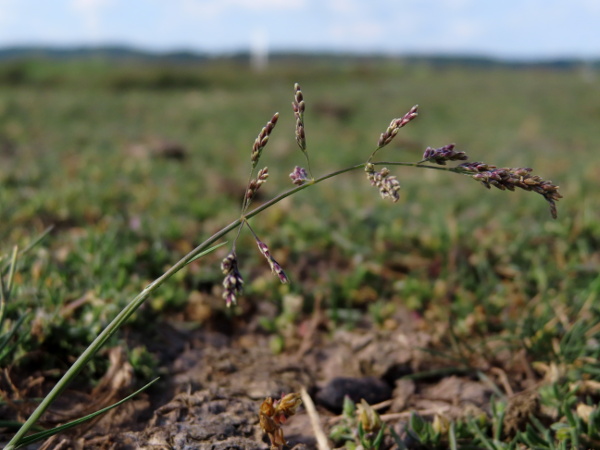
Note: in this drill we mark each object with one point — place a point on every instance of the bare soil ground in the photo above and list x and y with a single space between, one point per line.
214 380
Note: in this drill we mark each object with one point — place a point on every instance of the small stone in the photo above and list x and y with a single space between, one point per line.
372 389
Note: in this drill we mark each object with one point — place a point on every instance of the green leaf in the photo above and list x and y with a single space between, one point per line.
481 436
48 433
533 439
379 438
417 424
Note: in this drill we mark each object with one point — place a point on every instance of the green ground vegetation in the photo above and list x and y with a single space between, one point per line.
133 165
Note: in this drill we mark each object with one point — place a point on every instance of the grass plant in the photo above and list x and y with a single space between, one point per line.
562 344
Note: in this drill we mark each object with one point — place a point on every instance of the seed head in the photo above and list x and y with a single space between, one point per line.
395 125
262 139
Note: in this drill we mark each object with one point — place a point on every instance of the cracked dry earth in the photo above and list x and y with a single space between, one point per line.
214 383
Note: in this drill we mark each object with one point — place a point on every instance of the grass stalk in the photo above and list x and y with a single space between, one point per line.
139 299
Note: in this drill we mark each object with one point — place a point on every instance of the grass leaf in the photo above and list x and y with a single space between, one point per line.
48 433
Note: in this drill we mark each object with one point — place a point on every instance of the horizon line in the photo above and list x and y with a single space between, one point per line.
133 48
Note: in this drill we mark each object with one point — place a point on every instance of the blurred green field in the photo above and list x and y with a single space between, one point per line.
135 165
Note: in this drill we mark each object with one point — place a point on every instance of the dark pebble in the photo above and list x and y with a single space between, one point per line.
372 389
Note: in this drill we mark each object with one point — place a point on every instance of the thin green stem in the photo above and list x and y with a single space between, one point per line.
420 165
252 231
373 154
138 300
246 201
308 163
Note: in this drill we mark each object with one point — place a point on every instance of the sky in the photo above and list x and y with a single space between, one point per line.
509 29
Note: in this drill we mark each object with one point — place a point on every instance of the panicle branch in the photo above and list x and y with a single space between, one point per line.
256 183
299 106
395 125
262 139
511 178
275 267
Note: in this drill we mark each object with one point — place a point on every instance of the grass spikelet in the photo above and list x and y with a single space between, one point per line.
275 267
507 178
387 184
262 139
256 183
299 106
392 130
299 176
443 154
233 282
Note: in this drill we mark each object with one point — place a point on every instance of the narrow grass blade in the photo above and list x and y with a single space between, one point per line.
32 244
207 251
48 433
5 339
5 289
37 240
11 273
481 436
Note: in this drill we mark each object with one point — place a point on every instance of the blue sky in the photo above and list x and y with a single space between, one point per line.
506 29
